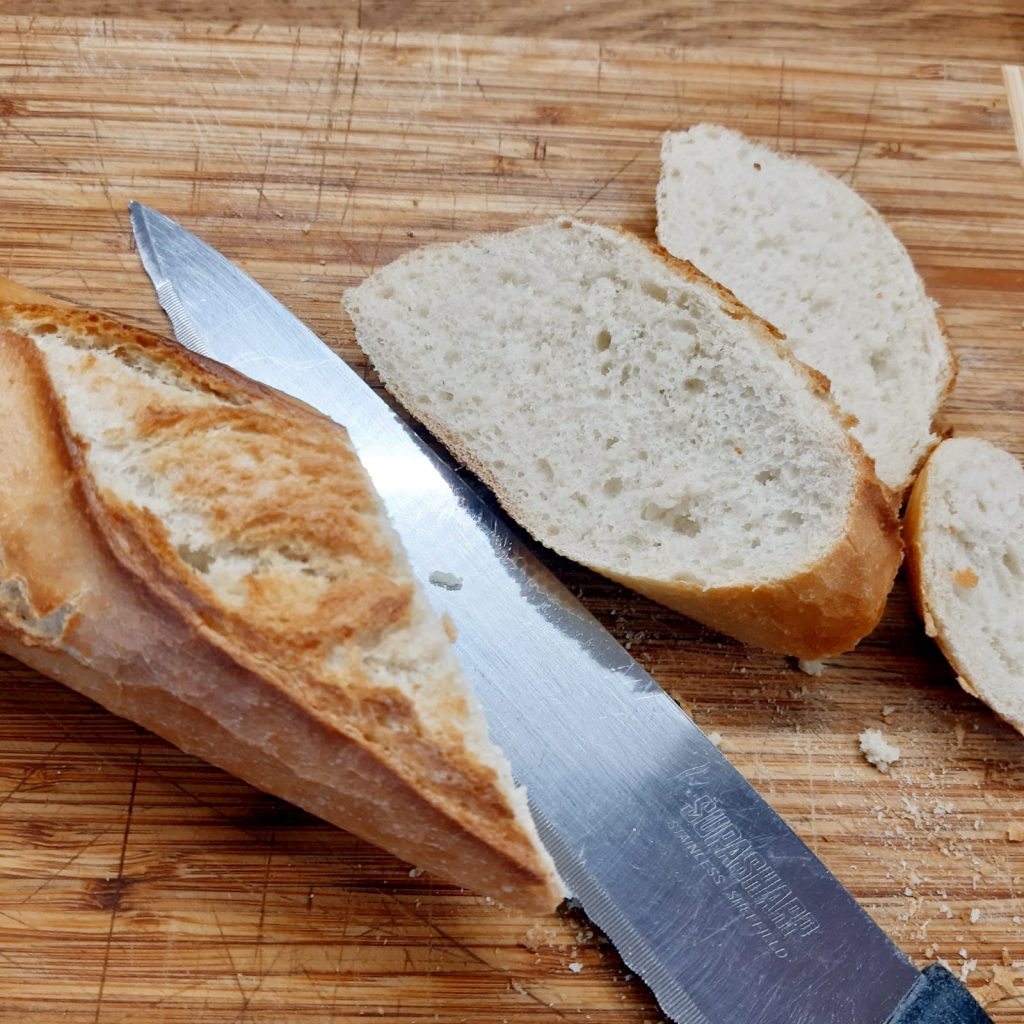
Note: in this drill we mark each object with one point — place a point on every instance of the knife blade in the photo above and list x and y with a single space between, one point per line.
707 894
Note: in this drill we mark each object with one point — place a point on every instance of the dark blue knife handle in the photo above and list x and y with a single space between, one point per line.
938 998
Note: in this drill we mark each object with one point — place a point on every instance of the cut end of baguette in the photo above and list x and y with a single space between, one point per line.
807 253
635 417
965 554
243 522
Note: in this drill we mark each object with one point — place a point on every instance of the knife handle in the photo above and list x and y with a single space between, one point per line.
937 997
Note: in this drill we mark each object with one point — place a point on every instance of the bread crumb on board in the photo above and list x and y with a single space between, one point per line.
812 668
1015 833
714 738
877 750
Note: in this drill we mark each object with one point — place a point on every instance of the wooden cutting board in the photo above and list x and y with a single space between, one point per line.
139 884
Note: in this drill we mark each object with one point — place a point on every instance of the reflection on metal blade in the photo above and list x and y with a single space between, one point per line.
704 890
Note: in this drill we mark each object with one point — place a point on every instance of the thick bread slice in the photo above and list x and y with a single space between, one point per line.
809 255
965 556
635 417
208 558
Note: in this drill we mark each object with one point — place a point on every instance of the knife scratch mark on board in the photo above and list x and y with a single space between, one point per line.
328 130
115 901
609 181
235 973
261 187
863 137
454 944
54 875
32 769
264 891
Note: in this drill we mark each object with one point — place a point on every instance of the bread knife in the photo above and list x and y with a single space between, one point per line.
707 894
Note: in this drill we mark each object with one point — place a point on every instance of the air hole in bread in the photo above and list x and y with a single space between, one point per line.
613 486
694 385
604 340
686 525
656 291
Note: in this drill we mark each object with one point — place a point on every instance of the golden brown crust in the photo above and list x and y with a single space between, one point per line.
85 597
822 612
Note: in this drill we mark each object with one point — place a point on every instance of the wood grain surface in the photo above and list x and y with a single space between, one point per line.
988 30
139 884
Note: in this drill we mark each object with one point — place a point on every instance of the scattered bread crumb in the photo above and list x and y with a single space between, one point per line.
1015 833
965 971
975 915
448 580
877 750
715 738
450 629
812 668
575 967
415 872
887 710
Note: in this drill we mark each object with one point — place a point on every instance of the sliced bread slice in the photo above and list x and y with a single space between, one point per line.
208 558
633 416
804 251
965 556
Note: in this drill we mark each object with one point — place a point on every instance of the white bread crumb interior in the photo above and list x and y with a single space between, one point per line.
965 532
634 417
804 251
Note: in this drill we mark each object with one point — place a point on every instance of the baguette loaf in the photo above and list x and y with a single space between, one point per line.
207 557
965 557
633 416
807 253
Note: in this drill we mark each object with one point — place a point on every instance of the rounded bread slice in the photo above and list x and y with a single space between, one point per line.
808 254
965 557
634 417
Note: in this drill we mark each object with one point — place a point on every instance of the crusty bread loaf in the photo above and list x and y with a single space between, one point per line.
207 557
804 251
965 556
635 417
